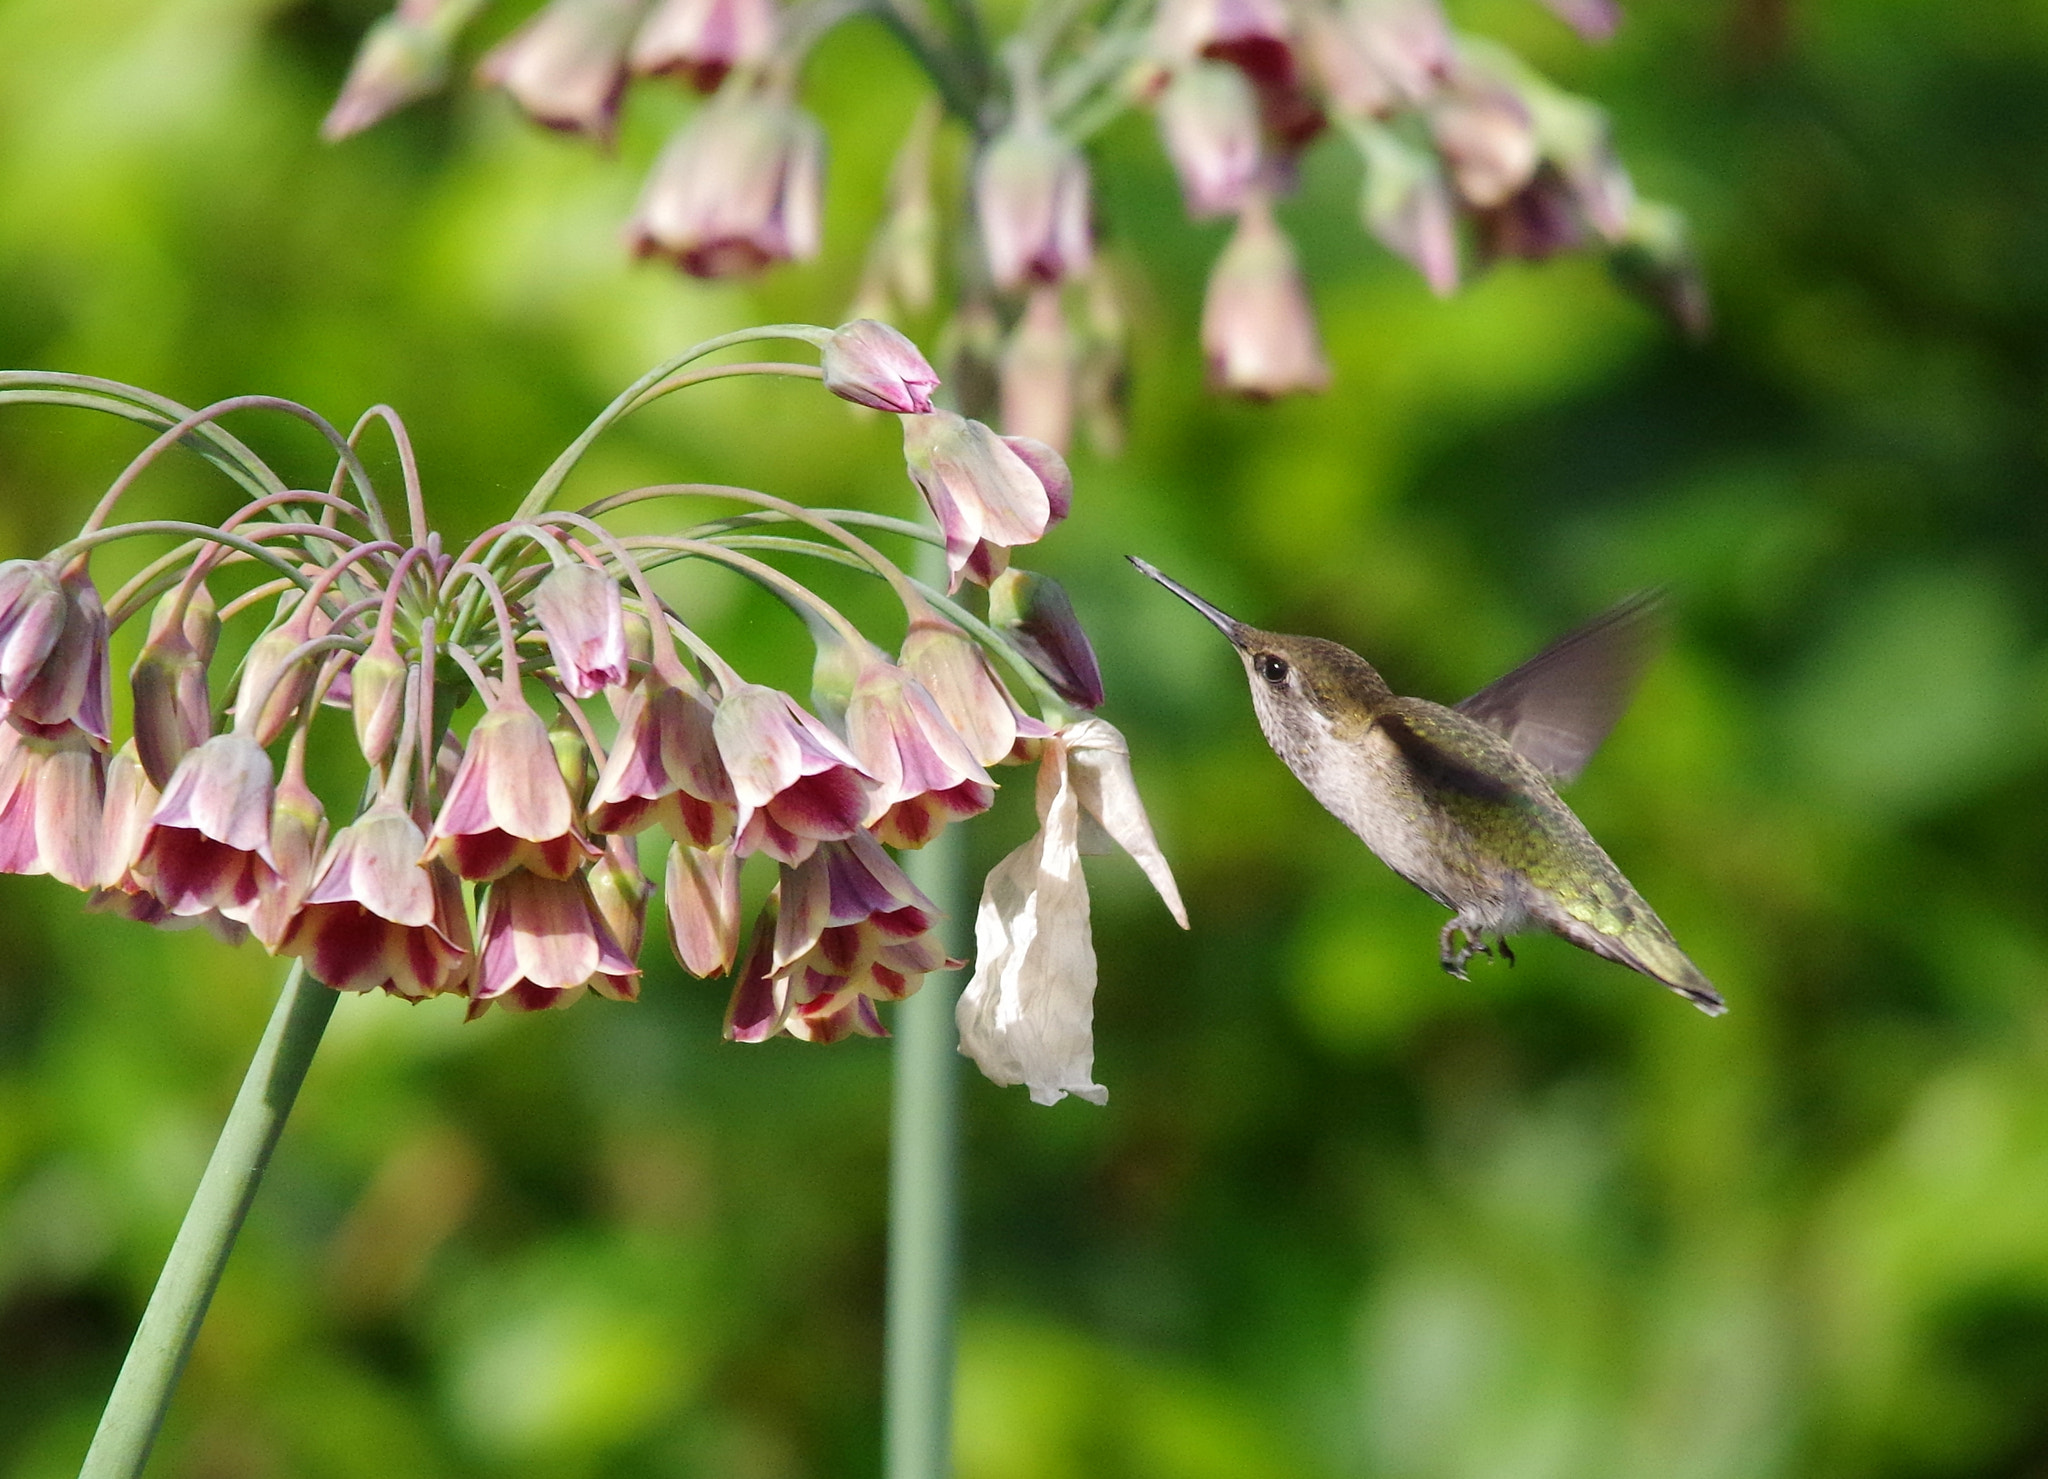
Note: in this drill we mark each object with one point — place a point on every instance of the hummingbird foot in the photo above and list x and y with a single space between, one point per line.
1507 956
1458 945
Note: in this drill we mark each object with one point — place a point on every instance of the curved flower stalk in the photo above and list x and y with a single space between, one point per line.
1469 159
525 708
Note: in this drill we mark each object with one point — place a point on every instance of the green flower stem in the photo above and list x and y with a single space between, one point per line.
917 1349
164 1339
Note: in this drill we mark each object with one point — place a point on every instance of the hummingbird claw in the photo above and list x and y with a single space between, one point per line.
1507 956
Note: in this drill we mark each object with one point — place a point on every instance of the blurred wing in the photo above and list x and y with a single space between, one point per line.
1558 706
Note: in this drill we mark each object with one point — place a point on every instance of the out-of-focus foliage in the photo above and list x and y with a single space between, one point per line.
1342 1216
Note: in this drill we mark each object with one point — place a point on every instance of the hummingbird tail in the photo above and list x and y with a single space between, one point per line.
1650 951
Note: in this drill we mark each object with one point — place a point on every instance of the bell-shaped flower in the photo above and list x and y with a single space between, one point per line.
1209 120
1035 377
298 838
1034 612
542 941
738 188
873 365
955 672
208 842
924 774
850 923
52 793
173 710
701 890
403 57
1031 195
1484 131
703 40
376 917
758 1006
1408 206
508 806
567 66
665 767
988 493
621 891
1027 1016
584 619
50 681
1258 330
795 781
1405 44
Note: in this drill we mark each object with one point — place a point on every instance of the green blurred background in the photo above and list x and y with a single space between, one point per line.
1342 1216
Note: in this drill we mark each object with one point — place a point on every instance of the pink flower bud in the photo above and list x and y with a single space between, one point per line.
664 767
1257 327
701 889
1031 193
872 364
298 837
703 40
567 66
403 57
69 684
376 918
795 781
508 806
1209 119
621 892
584 619
31 619
377 697
173 711
208 842
1033 611
988 493
541 942
738 188
1037 373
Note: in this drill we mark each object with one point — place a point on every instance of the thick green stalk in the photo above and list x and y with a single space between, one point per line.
923 1176
171 1322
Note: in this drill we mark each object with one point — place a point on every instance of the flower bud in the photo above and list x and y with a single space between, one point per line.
1037 373
567 66
1406 43
404 56
1258 330
701 890
1656 262
871 364
31 618
584 619
702 40
1209 119
377 697
1031 193
738 188
173 711
1033 611
572 756
273 683
1408 206
69 684
620 891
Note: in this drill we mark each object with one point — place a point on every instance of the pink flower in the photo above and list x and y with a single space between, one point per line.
1036 374
665 767
924 774
376 917
31 619
298 837
1257 327
1486 136
508 806
53 665
703 40
701 889
567 66
51 796
404 56
1408 206
542 941
873 365
1209 119
850 924
208 842
1031 194
173 710
795 781
989 493
584 619
738 188
955 672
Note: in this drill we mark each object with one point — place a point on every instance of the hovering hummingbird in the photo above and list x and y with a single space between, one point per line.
1461 801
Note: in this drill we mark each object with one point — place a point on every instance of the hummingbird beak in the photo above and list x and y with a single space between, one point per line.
1230 626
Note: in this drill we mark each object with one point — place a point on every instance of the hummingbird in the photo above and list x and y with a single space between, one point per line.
1462 801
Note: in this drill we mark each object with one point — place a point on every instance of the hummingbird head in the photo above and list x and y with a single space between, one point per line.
1307 691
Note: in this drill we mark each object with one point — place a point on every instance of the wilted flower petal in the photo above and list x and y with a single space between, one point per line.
584 619
1099 763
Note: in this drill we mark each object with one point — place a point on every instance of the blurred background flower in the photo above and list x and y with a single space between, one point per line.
1341 1215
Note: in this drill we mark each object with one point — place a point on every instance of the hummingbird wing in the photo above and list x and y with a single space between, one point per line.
1558 706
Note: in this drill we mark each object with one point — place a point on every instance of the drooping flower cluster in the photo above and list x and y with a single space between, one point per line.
1469 158
533 718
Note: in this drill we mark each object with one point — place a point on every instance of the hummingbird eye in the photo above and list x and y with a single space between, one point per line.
1272 668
